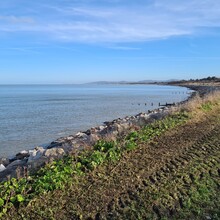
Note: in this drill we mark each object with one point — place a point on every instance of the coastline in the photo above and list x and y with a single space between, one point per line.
52 112
28 161
168 169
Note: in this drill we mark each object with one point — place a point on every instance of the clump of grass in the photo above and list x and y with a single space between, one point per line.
202 200
192 104
207 106
198 106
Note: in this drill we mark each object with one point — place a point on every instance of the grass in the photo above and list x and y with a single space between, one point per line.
62 174
202 201
55 175
205 104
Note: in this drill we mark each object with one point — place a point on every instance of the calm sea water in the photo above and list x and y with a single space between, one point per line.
35 115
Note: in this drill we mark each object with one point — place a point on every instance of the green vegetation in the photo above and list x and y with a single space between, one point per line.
57 174
207 106
178 182
202 200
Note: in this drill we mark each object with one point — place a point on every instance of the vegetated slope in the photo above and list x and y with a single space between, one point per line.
175 175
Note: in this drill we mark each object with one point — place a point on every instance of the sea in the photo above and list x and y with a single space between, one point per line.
35 115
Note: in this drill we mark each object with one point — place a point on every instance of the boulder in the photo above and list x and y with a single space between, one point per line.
37 163
125 126
36 158
142 120
69 138
21 155
9 173
101 127
5 161
35 154
54 153
81 135
88 132
5 174
2 167
93 138
68 147
16 163
56 143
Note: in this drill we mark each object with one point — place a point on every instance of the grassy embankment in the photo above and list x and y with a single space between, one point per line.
168 169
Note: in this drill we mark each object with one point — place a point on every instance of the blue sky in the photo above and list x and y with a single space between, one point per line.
76 41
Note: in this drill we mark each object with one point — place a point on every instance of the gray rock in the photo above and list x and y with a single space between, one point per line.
92 131
101 127
93 138
5 174
69 138
35 154
119 128
54 153
5 161
2 167
15 169
21 155
36 158
16 163
56 143
88 132
38 148
125 126
9 173
12 158
68 147
81 135
142 120
35 164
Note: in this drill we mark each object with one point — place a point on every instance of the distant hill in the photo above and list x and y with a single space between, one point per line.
129 82
210 79
170 81
108 82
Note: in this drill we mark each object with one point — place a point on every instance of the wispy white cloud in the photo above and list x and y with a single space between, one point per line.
152 20
19 50
191 58
123 48
16 19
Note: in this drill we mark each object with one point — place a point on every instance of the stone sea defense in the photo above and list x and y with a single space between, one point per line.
27 161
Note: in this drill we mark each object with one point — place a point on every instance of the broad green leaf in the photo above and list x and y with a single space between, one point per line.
20 198
13 199
1 202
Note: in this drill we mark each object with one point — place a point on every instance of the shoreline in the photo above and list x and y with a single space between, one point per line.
28 161
67 110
